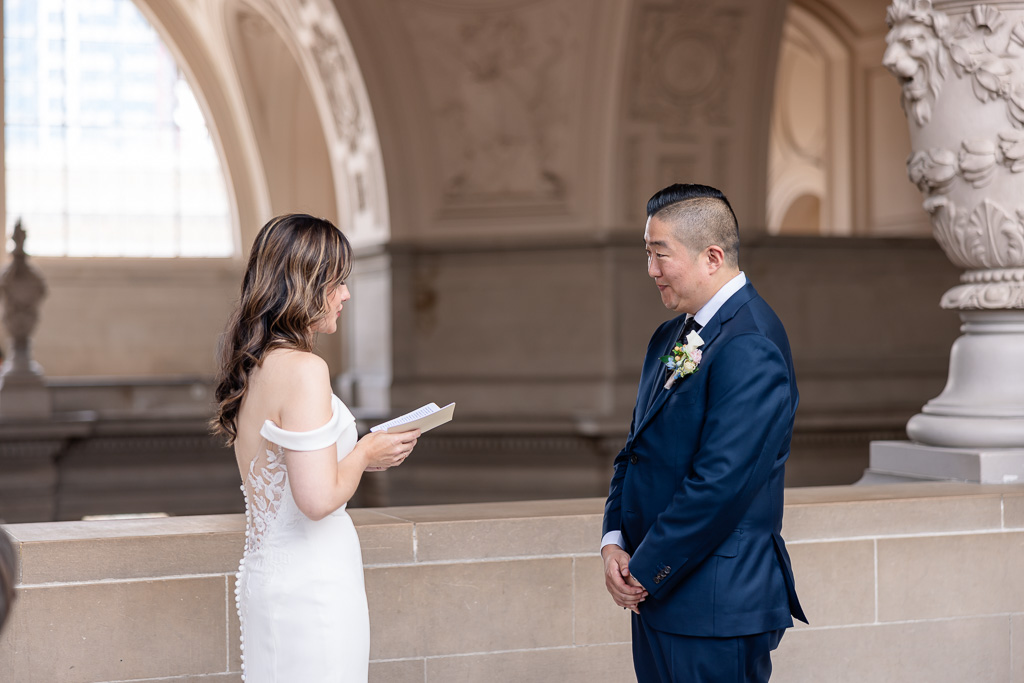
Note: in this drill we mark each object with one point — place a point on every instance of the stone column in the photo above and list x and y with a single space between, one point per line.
961 67
23 391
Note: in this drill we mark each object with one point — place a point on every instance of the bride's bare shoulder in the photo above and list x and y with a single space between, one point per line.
294 371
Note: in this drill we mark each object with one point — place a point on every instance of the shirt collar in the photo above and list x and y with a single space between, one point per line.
707 312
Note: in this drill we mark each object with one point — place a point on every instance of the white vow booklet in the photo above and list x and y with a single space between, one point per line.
423 419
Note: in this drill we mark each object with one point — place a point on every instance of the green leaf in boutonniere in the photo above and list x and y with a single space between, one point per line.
683 359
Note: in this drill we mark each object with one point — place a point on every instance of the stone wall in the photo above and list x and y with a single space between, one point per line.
901 582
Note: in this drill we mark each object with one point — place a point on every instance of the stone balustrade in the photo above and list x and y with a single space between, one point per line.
917 582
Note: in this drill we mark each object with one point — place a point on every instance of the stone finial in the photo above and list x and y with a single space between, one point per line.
23 391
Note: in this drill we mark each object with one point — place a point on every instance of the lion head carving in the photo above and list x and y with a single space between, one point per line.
916 54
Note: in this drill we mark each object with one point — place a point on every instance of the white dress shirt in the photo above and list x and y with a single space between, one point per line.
703 317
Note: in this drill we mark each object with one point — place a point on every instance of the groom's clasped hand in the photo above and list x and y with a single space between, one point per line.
625 590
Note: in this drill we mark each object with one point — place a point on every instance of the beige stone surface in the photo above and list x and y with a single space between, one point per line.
159 316
444 609
383 538
481 530
1013 511
950 576
598 620
575 665
890 517
130 548
806 495
401 671
518 509
130 557
507 538
835 581
945 651
117 631
1017 648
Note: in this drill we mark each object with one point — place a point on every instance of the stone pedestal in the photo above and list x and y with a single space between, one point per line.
893 461
23 392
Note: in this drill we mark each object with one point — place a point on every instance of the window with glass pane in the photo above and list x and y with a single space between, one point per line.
106 150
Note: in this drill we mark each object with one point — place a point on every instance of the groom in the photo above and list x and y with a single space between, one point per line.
692 524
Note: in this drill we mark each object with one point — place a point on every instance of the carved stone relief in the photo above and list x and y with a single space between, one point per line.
681 96
916 55
682 63
501 88
352 135
336 72
987 237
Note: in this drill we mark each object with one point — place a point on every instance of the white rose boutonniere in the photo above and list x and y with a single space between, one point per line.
684 359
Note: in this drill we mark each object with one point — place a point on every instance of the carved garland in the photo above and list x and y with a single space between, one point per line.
934 170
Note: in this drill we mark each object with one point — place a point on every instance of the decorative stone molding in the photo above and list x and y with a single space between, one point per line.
336 82
988 289
685 63
500 85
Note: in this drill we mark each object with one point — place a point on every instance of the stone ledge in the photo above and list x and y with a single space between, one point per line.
485 590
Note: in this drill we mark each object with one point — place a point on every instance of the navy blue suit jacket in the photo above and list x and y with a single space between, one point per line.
697 490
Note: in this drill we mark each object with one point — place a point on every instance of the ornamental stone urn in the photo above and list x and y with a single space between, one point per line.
961 68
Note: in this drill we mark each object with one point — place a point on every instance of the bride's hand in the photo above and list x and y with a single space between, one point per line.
387 450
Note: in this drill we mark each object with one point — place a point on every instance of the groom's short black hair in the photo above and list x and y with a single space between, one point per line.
709 218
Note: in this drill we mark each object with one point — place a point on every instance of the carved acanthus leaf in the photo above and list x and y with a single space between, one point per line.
987 224
949 230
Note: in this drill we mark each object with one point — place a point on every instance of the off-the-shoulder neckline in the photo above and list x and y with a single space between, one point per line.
341 417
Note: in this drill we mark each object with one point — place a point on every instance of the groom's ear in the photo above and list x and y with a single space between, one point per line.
714 258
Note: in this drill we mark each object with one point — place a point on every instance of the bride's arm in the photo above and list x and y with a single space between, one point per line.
320 484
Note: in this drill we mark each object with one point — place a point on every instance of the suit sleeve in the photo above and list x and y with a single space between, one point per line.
613 506
748 416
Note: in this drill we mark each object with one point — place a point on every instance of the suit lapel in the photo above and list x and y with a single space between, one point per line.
657 386
708 333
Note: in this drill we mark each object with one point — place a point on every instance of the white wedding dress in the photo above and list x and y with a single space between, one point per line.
300 595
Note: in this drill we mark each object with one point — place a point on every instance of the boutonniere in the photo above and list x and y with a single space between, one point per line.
684 359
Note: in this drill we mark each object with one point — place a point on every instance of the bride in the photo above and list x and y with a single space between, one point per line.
300 595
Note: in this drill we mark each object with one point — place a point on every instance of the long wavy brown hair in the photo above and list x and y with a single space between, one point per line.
295 263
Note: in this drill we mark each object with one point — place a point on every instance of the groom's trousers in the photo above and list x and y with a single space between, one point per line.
660 657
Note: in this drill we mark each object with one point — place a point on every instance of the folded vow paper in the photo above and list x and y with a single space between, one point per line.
423 419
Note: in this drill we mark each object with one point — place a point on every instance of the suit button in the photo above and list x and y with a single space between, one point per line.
633 459
657 579
667 570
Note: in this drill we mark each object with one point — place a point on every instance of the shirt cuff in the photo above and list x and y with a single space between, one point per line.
613 538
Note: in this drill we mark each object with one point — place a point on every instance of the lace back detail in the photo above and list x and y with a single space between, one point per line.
264 492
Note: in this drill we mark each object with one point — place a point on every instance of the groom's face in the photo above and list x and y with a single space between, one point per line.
676 270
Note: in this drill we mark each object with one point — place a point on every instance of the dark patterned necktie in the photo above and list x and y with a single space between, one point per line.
691 325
